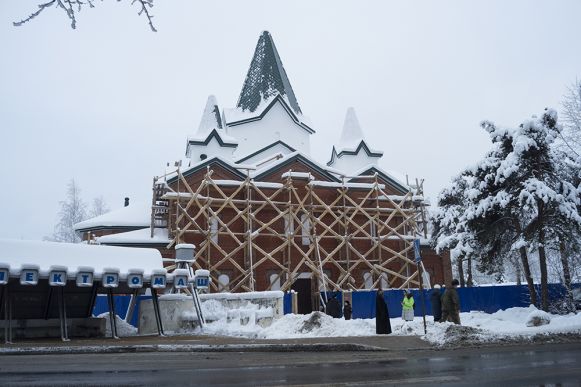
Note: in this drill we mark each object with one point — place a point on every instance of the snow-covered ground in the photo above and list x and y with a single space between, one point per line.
476 326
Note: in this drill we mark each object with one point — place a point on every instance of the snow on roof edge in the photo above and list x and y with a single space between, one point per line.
19 254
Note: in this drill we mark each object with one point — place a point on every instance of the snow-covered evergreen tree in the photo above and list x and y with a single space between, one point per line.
449 230
549 203
519 198
494 215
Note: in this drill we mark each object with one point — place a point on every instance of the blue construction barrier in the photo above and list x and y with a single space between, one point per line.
487 299
287 303
121 306
363 302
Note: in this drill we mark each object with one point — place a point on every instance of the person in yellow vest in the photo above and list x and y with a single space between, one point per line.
408 306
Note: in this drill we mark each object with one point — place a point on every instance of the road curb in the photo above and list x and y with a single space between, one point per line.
321 347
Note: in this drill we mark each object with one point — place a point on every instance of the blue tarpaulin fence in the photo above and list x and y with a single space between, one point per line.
488 299
121 306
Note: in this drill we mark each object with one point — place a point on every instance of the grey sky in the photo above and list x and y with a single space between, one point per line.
111 102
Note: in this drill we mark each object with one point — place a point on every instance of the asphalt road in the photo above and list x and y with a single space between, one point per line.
547 364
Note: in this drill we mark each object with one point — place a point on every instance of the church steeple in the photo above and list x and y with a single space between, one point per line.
211 138
211 118
266 78
352 152
352 134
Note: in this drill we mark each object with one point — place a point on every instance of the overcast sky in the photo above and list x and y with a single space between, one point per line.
109 103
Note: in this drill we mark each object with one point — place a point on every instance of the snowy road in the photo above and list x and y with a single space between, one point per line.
508 365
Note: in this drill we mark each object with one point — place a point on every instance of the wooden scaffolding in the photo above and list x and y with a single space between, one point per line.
333 230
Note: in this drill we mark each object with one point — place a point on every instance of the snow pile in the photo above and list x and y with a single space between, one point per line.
538 318
124 329
213 310
477 327
292 326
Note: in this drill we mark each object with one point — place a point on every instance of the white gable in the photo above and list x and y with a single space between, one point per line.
351 163
200 150
352 152
211 138
276 125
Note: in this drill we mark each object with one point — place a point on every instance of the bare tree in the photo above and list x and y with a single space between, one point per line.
72 7
571 112
100 207
72 211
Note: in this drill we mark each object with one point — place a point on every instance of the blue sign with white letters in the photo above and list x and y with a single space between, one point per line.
3 276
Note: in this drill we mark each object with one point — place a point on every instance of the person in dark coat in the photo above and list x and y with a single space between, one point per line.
382 323
333 307
436 301
347 310
451 304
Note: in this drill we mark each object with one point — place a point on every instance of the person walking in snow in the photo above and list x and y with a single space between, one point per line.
436 301
408 306
347 310
382 323
451 304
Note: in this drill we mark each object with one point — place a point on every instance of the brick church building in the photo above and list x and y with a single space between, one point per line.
265 215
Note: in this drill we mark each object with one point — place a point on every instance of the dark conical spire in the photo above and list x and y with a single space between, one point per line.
266 78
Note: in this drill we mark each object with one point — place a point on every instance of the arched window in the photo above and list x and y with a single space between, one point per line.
368 280
373 231
223 283
214 229
289 224
306 229
274 280
384 283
